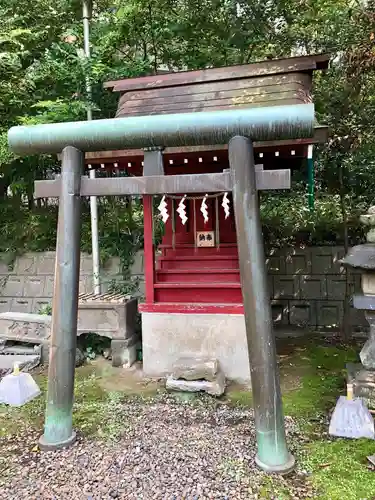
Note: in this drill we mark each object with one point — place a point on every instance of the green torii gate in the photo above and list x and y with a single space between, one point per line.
238 128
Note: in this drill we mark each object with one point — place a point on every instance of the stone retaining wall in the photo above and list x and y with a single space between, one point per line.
307 286
28 285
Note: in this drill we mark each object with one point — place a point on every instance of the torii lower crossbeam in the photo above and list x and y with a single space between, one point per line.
163 184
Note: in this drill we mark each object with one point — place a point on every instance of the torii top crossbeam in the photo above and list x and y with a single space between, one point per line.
183 129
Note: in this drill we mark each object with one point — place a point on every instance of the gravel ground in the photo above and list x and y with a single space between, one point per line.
167 450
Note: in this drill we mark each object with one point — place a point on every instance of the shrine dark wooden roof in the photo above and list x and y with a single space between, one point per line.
267 83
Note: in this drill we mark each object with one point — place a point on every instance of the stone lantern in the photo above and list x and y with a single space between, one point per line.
362 257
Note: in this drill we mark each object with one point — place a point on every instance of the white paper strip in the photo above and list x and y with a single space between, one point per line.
204 208
163 209
181 210
225 205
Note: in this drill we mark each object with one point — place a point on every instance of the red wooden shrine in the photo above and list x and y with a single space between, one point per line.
180 275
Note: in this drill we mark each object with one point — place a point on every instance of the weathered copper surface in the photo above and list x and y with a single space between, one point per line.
181 129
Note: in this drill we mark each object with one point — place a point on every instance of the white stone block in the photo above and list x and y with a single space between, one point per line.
168 337
368 283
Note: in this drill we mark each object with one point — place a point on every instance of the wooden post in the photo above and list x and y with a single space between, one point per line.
153 165
149 255
273 454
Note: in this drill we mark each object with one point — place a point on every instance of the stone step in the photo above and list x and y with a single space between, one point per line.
198 275
26 362
196 375
19 349
215 387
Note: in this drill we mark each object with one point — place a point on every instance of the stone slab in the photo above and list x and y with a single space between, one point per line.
39 304
329 313
112 267
324 261
302 313
138 264
26 362
85 284
275 263
5 304
336 287
24 327
195 369
48 286
215 387
86 264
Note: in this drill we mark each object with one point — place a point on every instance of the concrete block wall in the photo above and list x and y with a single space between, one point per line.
307 285
27 286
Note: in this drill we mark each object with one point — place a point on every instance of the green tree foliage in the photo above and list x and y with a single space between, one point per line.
43 72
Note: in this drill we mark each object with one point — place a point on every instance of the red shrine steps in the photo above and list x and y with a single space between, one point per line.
186 274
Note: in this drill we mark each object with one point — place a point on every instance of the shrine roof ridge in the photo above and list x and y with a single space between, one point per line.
268 67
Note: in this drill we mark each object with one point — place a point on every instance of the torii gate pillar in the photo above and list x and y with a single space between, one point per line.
58 427
273 455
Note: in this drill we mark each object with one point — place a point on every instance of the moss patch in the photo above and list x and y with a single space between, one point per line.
312 377
97 411
239 395
340 469
322 370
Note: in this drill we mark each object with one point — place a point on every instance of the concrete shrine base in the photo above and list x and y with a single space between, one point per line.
167 337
